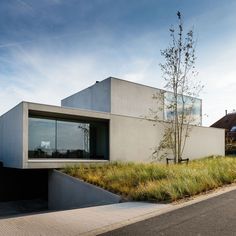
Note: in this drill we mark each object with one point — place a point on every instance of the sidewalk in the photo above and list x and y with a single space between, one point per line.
94 220
84 221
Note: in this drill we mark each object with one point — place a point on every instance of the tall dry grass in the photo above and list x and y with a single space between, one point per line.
158 182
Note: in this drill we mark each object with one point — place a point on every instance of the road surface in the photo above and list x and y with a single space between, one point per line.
215 216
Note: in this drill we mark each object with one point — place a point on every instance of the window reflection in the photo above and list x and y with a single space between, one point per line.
192 108
42 138
52 138
72 139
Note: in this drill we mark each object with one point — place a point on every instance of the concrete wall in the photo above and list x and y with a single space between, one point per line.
205 141
133 139
118 97
14 134
58 112
11 137
66 192
131 99
96 98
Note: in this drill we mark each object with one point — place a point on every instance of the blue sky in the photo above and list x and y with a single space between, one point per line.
50 49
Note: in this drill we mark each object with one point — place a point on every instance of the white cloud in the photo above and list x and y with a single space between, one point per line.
45 78
45 74
218 73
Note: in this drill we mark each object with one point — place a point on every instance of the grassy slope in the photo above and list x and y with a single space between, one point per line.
158 182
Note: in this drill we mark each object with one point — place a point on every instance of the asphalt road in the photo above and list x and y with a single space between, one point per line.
215 216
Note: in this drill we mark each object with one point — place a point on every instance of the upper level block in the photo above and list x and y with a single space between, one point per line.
121 97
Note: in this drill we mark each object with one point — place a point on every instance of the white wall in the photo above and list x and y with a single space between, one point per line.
14 134
11 137
131 99
133 139
205 141
94 98
118 97
59 112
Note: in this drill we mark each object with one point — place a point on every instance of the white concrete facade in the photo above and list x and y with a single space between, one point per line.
122 104
14 134
139 137
119 97
96 98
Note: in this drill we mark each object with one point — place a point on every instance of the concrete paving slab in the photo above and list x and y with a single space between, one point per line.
85 221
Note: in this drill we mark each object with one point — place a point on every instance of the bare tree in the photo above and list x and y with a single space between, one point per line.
178 104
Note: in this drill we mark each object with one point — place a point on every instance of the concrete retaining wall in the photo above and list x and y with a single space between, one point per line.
66 192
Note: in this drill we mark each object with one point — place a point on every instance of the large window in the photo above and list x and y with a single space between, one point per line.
57 138
192 108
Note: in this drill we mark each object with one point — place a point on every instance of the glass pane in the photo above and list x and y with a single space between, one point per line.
192 108
99 141
41 138
72 140
51 138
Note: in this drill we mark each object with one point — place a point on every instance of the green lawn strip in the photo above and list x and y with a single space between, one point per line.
158 182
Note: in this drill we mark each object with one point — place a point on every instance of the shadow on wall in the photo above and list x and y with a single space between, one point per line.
66 192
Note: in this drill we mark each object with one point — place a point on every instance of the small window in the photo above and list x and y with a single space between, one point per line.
233 129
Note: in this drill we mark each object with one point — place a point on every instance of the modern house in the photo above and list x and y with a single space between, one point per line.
101 123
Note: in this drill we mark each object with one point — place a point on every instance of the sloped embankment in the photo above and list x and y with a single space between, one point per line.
66 192
158 182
